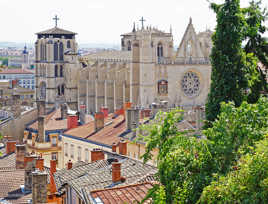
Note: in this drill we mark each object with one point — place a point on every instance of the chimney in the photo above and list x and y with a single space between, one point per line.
99 121
29 166
41 128
69 165
116 172
132 117
105 111
20 153
41 107
97 154
10 147
63 110
123 147
72 121
114 147
39 187
53 164
40 163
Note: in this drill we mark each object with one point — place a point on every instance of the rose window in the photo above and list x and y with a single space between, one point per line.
190 84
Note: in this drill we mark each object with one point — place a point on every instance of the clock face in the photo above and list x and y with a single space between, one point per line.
190 84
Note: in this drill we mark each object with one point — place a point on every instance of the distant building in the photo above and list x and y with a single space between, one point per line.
25 78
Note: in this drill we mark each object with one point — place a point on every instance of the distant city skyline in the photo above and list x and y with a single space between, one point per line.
103 21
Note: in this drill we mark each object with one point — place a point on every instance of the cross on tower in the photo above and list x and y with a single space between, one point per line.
142 21
56 20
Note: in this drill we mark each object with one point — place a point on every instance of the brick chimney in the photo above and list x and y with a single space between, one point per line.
53 165
63 111
41 107
72 121
97 154
123 147
69 165
99 121
105 111
20 153
40 163
114 147
132 117
41 128
29 166
10 147
116 172
39 187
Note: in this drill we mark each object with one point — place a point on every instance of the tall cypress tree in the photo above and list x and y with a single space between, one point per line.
231 73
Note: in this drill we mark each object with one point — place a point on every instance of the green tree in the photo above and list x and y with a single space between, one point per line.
235 75
187 164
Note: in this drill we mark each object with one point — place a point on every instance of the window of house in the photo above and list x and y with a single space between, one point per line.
68 44
56 51
86 155
54 141
56 70
79 153
72 151
61 51
54 156
66 149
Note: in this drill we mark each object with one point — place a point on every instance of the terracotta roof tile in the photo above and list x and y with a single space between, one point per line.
7 160
123 194
52 121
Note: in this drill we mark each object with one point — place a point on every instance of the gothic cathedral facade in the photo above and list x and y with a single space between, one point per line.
148 70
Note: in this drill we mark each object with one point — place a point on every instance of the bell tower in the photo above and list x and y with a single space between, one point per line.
52 63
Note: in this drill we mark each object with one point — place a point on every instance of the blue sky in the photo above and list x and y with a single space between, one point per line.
102 21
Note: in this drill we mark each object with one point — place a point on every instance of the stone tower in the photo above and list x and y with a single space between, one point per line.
56 67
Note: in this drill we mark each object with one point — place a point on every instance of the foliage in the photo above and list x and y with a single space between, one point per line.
235 74
246 183
186 164
4 61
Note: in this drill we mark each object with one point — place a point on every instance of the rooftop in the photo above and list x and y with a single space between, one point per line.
56 30
15 71
124 194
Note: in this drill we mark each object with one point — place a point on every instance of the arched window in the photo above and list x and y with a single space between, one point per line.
162 87
61 51
59 91
122 43
56 51
45 52
56 70
61 71
43 90
41 52
68 44
129 45
160 50
62 89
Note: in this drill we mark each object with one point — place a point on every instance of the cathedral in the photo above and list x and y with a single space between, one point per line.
145 71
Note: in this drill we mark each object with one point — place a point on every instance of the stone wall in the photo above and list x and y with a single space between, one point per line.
15 127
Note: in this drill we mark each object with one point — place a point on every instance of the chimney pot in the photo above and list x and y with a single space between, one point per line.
99 121
105 111
72 121
10 147
63 111
116 172
123 147
20 154
114 147
97 154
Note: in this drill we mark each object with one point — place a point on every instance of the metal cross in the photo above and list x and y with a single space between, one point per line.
142 21
56 20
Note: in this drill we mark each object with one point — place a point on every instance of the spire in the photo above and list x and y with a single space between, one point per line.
134 28
190 20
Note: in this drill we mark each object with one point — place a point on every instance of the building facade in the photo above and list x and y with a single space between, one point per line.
56 67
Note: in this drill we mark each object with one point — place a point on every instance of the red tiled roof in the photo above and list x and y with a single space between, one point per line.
123 194
109 134
52 121
15 71
10 182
